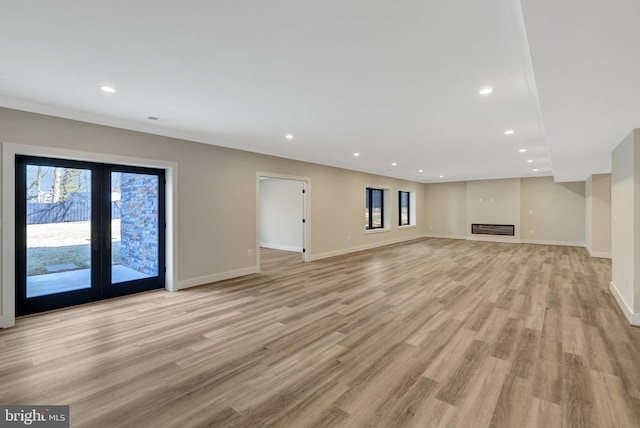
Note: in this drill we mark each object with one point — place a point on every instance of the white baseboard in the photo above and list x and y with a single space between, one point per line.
559 243
436 235
634 319
601 255
5 322
344 251
207 279
597 254
282 247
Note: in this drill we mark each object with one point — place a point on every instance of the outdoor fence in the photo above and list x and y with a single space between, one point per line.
58 212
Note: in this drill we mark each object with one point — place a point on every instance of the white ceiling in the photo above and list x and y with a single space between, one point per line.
395 81
586 59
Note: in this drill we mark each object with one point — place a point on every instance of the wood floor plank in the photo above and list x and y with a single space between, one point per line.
428 333
507 339
578 393
548 372
455 385
543 414
524 357
479 405
451 356
512 409
573 337
434 413
403 410
612 406
313 406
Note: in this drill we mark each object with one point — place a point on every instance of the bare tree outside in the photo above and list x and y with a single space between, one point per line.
34 189
57 184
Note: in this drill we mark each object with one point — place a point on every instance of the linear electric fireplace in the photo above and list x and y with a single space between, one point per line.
493 229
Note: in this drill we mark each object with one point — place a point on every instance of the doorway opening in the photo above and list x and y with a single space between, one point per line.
283 219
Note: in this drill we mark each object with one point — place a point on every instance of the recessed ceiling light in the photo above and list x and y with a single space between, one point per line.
535 169
394 164
289 137
356 154
529 160
108 89
508 132
442 176
522 150
419 170
485 91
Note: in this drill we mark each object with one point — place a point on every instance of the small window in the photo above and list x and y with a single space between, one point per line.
374 210
404 208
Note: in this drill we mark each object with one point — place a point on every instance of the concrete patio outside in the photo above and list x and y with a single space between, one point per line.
60 282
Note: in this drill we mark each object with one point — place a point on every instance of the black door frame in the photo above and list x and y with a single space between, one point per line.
101 286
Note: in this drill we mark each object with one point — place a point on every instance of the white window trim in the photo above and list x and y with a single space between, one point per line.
386 211
412 210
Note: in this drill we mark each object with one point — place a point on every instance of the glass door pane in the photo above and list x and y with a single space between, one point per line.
58 229
404 208
376 211
135 227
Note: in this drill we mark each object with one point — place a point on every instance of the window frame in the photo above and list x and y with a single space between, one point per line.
413 215
386 208
400 223
369 198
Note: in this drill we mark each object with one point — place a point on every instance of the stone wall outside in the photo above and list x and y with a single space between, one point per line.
139 222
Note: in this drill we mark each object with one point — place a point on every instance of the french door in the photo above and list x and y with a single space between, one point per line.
86 231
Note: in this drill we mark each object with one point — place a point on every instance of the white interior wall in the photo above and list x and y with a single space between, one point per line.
552 213
598 215
281 214
494 202
588 215
601 206
543 211
625 233
446 210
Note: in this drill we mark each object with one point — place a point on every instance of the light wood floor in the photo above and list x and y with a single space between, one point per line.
430 333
